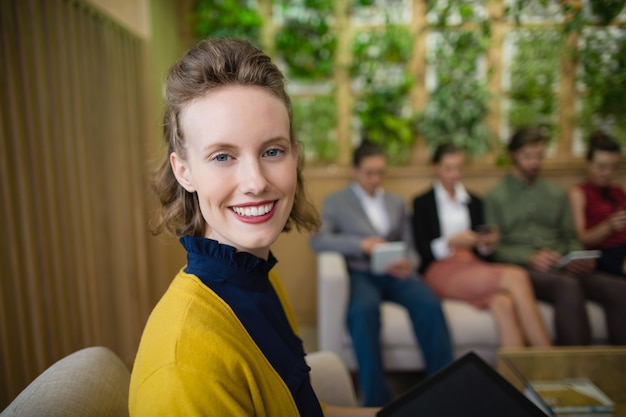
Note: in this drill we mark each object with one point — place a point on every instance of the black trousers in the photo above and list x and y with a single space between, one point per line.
568 293
612 260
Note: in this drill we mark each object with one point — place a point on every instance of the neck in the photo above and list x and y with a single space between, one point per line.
526 179
449 189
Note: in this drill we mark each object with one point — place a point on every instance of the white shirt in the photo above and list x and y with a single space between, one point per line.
374 207
454 217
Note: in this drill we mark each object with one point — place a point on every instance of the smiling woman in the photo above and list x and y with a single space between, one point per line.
223 339
239 134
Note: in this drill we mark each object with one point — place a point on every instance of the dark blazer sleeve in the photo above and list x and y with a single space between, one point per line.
425 226
477 217
477 213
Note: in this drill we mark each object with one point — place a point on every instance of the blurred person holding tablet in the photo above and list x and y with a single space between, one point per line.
454 243
356 220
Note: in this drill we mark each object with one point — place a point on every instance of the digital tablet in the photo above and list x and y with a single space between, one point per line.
468 387
577 254
385 253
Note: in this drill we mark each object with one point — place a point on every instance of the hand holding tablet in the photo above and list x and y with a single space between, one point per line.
576 255
385 253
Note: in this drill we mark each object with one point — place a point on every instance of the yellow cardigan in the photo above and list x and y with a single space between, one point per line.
195 358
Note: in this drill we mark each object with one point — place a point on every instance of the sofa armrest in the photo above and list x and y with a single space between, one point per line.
332 300
330 379
90 382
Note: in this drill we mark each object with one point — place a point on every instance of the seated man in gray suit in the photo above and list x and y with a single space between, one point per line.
355 220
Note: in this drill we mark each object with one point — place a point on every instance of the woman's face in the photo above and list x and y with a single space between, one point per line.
242 165
602 167
449 170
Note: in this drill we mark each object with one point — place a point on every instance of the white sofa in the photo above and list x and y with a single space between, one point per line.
470 329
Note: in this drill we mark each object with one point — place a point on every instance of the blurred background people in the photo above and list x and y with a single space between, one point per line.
452 240
598 205
536 230
354 220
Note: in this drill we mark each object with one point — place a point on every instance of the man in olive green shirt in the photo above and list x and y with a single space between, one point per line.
536 230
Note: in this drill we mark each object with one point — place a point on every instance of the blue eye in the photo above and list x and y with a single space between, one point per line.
274 152
221 157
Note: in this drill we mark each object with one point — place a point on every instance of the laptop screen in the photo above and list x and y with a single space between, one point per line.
468 387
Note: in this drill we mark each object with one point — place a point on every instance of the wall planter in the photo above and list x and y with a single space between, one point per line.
381 89
534 78
237 18
458 97
315 119
366 47
602 60
305 41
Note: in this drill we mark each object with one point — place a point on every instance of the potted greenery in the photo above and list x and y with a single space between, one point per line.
382 87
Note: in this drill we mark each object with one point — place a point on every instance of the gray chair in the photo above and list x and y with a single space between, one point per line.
91 382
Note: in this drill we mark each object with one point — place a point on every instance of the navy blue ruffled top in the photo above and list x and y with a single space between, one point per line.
242 281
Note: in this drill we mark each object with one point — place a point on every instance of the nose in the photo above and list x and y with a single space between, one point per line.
252 179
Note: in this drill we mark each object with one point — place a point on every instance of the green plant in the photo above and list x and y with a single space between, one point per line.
458 103
457 106
534 75
305 42
381 103
602 59
236 18
315 119
607 10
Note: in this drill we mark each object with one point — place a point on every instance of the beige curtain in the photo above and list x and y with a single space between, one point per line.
73 226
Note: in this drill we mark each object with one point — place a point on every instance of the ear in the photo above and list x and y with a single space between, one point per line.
296 150
182 172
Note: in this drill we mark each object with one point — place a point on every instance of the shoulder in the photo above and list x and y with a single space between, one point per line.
179 321
497 191
576 191
424 197
554 189
394 198
475 200
181 351
619 189
340 195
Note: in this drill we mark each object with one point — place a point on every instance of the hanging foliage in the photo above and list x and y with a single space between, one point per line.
379 68
235 18
305 41
602 59
315 119
458 103
534 78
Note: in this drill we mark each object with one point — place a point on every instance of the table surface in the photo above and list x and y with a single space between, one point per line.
605 366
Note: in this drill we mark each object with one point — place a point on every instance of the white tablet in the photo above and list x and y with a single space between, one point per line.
577 254
385 253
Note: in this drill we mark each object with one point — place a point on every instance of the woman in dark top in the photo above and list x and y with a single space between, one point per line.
598 205
452 241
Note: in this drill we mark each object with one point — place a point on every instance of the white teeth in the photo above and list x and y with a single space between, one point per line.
253 211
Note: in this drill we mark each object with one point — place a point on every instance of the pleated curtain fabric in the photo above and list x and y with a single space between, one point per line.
74 244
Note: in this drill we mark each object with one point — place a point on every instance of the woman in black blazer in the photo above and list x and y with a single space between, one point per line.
454 245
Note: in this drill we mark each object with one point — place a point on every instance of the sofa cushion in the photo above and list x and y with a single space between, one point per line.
471 327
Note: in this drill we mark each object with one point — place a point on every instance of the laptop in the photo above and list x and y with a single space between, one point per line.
468 387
